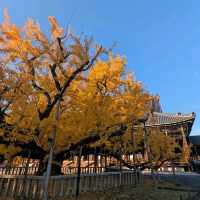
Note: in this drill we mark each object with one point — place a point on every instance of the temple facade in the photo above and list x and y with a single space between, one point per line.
176 125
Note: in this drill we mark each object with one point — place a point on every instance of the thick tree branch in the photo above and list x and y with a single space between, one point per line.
4 90
38 88
92 138
84 67
55 77
3 110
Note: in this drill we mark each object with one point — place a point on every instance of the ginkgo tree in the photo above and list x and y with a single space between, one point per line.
65 73
46 68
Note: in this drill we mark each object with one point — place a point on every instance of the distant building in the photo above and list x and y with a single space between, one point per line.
195 147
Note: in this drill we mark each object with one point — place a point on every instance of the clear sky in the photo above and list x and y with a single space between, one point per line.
160 39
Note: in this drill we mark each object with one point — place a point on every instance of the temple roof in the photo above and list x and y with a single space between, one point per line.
168 119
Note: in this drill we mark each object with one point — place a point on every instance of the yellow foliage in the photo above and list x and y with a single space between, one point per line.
102 97
56 31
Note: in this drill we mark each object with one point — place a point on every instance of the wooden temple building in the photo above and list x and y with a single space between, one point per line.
176 125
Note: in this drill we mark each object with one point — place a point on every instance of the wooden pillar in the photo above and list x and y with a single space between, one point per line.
185 146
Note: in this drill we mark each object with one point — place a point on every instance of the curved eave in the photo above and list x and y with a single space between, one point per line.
191 121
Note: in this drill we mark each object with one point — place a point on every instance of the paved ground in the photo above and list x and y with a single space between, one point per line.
190 180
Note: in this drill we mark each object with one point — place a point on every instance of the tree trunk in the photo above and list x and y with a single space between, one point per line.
42 167
2 159
56 169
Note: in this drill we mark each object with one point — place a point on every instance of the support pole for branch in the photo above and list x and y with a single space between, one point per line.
25 174
88 162
120 163
105 161
51 151
79 172
95 160
134 148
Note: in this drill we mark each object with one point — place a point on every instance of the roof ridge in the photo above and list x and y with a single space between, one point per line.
174 114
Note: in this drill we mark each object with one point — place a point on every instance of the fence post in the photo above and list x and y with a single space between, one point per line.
120 178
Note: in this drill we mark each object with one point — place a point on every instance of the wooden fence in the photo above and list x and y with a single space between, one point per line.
31 187
84 170
18 170
34 170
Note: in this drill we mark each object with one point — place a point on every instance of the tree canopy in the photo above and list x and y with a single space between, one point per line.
96 93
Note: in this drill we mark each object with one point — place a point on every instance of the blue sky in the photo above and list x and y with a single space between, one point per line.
160 39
